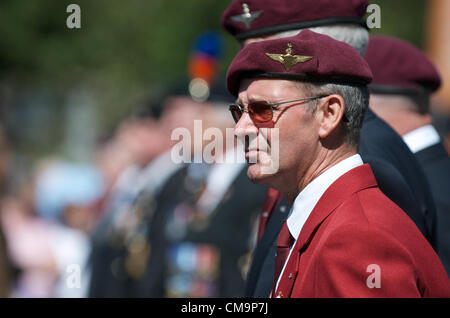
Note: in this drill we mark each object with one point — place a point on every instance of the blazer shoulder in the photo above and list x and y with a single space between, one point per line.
381 213
349 255
369 231
370 207
369 220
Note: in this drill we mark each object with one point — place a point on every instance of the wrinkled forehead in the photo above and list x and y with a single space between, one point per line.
268 89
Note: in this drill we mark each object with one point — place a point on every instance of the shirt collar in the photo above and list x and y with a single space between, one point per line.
421 138
307 199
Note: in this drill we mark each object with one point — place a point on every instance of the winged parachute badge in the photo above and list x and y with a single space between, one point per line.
247 17
289 60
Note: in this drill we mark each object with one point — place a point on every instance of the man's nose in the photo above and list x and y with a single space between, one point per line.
245 127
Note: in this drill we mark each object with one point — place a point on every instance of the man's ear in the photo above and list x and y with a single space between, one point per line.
330 113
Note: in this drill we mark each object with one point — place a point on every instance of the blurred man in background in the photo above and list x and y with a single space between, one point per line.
204 225
404 80
144 242
138 149
191 237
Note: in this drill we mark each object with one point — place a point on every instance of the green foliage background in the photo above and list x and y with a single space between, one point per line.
125 53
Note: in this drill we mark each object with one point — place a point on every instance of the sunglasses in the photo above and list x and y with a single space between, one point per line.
262 111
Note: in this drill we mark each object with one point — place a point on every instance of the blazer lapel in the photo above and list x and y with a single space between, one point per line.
289 276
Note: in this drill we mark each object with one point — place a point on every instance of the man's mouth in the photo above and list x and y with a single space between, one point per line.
252 154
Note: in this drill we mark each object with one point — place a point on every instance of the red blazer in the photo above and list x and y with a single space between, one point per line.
358 243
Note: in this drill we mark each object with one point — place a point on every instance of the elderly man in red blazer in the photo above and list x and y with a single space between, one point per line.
305 98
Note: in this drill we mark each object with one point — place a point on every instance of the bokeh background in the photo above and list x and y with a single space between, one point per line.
61 82
63 91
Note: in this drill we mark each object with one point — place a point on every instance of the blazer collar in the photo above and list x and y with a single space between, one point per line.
353 181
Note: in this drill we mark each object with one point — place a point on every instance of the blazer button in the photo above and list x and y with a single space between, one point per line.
290 275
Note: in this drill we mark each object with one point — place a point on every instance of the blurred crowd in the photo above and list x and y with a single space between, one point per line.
58 214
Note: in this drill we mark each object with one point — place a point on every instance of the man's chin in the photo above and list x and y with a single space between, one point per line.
256 174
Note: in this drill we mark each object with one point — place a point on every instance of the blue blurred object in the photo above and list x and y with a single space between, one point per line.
203 64
209 43
64 184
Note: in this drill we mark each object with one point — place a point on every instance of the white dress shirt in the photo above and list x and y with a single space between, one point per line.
421 138
307 199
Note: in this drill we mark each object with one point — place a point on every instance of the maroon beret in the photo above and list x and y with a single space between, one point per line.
308 56
253 18
399 67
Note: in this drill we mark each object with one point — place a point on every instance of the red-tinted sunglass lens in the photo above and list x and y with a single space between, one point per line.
235 112
260 112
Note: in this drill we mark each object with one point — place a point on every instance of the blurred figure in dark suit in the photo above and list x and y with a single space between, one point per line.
192 234
203 230
139 147
192 237
404 79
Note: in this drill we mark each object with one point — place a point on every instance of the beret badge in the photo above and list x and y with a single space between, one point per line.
247 17
288 60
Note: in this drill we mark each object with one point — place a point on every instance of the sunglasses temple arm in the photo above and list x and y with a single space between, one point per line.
299 100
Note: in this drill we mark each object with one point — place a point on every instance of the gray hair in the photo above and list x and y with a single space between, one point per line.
356 97
354 35
356 103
